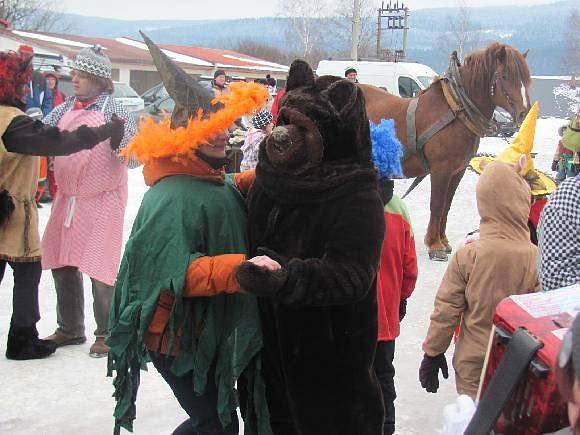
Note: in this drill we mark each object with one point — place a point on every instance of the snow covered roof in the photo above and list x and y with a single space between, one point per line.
126 50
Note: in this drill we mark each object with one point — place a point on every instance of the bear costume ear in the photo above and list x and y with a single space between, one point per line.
347 99
300 74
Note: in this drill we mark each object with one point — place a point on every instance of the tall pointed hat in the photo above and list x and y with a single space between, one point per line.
540 183
197 115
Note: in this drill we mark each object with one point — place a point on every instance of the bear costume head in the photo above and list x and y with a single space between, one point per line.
321 121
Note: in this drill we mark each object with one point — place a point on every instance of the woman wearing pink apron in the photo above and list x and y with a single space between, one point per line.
85 231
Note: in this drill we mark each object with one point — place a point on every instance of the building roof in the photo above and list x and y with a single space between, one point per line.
134 52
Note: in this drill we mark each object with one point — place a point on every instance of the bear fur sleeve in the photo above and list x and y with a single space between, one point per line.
343 274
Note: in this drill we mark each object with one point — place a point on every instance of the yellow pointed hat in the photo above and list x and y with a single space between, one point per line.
540 183
523 143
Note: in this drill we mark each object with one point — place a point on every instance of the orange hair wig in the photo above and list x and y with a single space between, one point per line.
156 141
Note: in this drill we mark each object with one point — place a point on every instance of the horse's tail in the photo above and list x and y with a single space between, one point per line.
414 184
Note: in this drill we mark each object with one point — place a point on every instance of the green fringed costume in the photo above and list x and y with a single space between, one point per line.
182 218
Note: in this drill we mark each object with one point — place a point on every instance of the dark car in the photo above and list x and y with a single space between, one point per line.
507 127
156 110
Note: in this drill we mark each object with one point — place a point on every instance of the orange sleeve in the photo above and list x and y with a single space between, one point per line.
244 180
208 276
162 313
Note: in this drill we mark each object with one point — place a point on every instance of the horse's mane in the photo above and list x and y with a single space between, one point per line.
483 63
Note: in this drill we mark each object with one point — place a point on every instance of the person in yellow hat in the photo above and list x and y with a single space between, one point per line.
541 185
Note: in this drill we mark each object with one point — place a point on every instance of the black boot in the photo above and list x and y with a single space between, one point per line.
23 344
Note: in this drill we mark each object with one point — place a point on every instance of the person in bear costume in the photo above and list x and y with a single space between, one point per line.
314 208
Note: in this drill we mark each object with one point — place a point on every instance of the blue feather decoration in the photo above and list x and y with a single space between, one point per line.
387 149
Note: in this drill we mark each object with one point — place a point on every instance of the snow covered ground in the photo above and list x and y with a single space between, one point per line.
68 393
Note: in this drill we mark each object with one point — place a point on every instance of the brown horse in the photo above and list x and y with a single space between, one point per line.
496 76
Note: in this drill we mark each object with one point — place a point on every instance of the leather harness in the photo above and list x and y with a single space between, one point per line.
460 107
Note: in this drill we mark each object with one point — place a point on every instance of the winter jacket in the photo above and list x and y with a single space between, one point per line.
39 94
250 149
276 105
559 237
19 238
482 273
398 269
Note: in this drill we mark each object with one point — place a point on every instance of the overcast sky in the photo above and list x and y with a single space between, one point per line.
205 9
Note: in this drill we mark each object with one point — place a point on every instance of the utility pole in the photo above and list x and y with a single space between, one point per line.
356 23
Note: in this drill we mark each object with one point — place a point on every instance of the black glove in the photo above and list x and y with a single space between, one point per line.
114 129
6 206
402 309
429 371
554 165
260 281
117 130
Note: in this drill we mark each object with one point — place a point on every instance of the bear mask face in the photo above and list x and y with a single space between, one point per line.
320 121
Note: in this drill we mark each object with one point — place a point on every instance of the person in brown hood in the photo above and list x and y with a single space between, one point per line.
501 263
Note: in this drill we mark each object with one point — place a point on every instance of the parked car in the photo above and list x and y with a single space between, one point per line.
127 96
124 93
507 127
404 79
156 109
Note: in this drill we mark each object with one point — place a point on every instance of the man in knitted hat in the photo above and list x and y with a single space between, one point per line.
219 82
21 140
351 74
85 231
177 302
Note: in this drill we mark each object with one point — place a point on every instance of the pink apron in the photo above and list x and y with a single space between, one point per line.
85 229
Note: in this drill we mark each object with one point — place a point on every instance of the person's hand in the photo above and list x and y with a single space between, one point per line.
265 262
429 371
402 309
554 165
117 129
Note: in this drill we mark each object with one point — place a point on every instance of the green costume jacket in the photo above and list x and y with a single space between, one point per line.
182 218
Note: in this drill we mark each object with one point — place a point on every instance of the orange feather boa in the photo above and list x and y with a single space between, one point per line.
155 141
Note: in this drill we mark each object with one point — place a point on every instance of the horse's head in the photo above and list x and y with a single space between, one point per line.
504 74
510 82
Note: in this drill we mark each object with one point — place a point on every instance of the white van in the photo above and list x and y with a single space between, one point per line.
405 79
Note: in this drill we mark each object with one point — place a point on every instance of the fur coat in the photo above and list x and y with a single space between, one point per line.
315 209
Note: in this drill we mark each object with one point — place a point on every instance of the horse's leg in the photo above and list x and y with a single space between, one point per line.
453 184
439 188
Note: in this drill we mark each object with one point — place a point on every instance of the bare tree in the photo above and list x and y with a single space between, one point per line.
572 57
38 15
462 34
306 29
342 26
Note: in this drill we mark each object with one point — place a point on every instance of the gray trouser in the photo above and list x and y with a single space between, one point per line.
70 302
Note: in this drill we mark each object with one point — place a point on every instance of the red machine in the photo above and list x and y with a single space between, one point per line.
535 405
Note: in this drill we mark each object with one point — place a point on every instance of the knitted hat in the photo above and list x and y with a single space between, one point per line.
262 119
219 72
92 61
349 70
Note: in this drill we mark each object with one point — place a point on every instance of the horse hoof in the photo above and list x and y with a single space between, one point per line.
448 249
438 255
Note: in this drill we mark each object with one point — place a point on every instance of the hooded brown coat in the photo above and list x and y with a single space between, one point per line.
501 263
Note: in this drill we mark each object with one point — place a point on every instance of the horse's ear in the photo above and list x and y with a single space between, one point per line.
501 54
300 74
525 53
